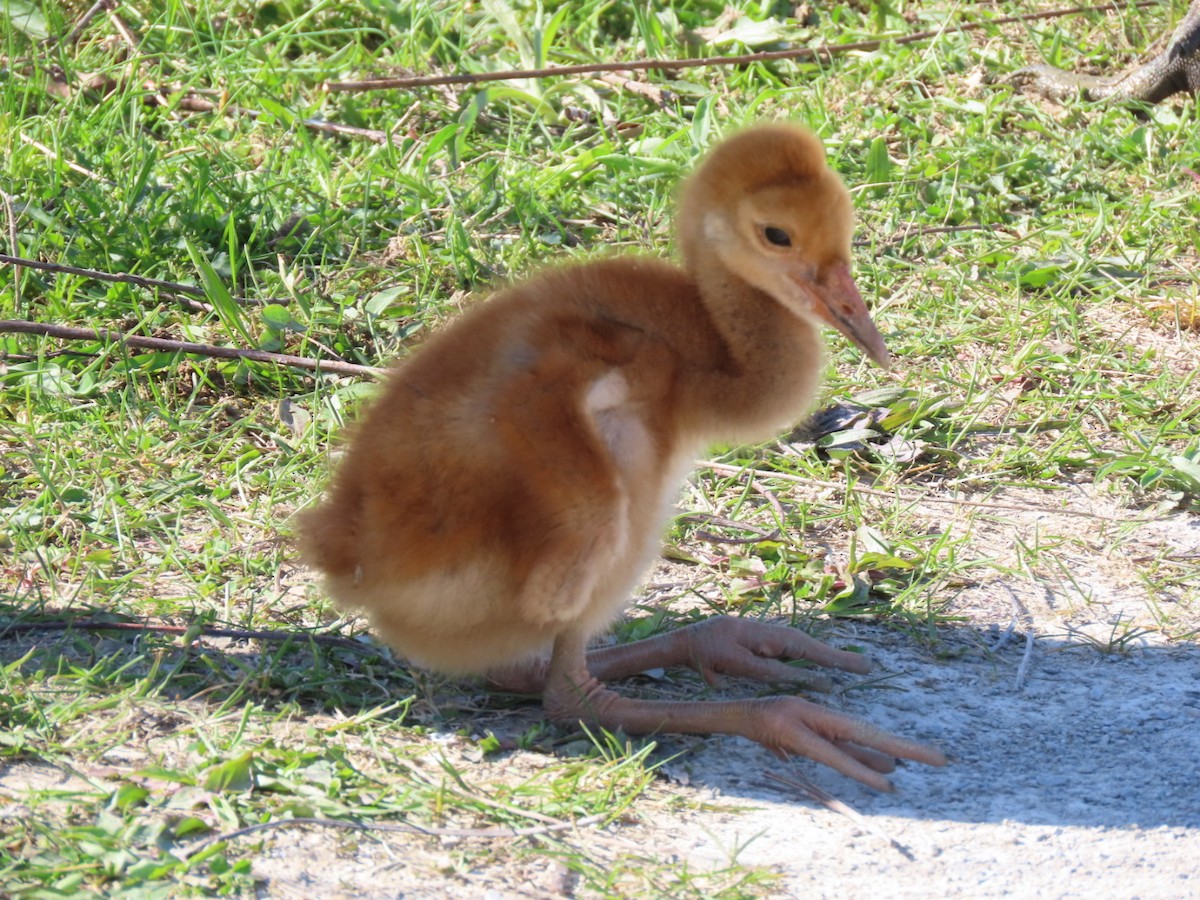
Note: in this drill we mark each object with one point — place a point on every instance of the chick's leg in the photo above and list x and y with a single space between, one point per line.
788 726
719 646
724 645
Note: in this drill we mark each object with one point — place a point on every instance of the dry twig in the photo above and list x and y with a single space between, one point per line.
812 792
724 469
10 216
241 634
321 126
106 335
759 534
823 53
125 278
196 102
403 829
1030 637
73 166
84 21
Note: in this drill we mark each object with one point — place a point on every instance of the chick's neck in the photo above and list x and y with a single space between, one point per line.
772 354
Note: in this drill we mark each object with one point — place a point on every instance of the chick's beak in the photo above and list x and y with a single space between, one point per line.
838 303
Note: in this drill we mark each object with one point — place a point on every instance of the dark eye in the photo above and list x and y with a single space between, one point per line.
777 236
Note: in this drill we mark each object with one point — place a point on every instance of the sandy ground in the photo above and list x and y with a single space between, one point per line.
1071 716
1067 695
1083 783
1074 739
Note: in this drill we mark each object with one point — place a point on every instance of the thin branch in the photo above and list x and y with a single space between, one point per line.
1005 636
126 278
760 534
323 126
813 792
73 166
106 335
724 469
14 244
1027 656
131 39
196 102
1023 668
202 631
192 101
903 235
48 354
85 20
767 495
824 53
403 829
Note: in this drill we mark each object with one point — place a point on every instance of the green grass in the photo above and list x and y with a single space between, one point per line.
1032 268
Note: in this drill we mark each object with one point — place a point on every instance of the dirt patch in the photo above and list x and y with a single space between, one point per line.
1082 782
1071 717
1066 692
1066 698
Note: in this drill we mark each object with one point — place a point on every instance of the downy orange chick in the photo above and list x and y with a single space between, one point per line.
500 500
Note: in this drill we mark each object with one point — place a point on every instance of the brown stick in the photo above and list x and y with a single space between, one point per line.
813 792
896 494
131 39
825 52
323 126
331 640
10 218
85 20
73 166
107 335
760 534
126 278
498 832
194 102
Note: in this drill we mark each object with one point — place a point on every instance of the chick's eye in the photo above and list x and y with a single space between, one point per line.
777 236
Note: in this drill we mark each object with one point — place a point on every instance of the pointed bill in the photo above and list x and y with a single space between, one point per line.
838 303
